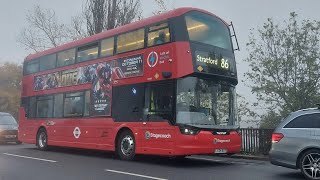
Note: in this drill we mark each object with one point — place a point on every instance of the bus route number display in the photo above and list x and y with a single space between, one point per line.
212 60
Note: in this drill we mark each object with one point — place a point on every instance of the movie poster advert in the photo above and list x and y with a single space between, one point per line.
69 77
101 90
128 67
87 74
47 81
99 75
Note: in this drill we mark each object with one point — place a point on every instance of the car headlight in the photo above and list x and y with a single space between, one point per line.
189 130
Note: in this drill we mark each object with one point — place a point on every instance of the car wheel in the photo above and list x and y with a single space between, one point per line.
18 142
126 146
310 164
42 140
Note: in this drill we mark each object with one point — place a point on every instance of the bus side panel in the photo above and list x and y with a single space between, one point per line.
27 128
183 56
97 133
158 138
61 131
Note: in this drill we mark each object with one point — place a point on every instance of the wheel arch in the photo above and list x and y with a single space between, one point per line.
122 129
303 151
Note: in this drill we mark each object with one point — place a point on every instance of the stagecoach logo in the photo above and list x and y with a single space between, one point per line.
152 59
216 140
76 132
149 135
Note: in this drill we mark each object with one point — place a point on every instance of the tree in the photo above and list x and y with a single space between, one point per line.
10 86
284 65
108 14
45 31
162 7
270 120
245 113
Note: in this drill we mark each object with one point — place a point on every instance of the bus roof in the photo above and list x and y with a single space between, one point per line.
125 28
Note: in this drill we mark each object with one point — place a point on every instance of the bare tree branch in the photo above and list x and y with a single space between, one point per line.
103 15
161 7
43 31
77 29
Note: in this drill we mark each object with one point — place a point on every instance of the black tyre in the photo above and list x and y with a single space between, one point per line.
126 146
42 140
309 164
18 142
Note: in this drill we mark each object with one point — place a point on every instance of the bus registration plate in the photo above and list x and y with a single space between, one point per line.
220 151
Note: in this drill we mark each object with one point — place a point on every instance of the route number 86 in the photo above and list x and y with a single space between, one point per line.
224 64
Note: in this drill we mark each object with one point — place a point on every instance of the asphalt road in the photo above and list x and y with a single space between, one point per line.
25 162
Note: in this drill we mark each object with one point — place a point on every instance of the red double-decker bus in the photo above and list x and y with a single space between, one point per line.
164 85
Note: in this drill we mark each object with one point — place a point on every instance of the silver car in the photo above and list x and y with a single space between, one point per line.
296 143
8 129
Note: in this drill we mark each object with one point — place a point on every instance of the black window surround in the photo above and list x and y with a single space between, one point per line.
56 112
160 103
135 102
131 103
98 45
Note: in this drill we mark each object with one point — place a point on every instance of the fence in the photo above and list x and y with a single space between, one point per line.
256 141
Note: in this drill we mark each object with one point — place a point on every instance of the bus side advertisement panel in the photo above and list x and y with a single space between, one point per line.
100 75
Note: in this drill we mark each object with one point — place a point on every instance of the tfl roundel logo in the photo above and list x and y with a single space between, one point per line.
152 59
147 134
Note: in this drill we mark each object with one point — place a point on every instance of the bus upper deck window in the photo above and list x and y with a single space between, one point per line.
66 57
87 52
160 39
158 34
130 41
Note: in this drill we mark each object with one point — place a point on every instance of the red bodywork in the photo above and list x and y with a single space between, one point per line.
101 132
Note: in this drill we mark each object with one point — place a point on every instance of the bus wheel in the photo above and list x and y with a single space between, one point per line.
126 146
42 140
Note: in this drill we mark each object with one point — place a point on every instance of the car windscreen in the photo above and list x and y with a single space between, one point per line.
7 120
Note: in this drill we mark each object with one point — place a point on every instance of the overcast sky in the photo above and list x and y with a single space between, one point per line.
245 14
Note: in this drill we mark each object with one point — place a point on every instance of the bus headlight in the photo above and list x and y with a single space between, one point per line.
189 131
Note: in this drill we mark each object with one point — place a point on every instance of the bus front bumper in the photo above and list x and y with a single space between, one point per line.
207 143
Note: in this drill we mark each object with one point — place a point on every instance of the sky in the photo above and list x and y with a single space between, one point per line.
245 15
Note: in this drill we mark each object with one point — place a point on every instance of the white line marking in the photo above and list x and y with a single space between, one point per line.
132 174
47 160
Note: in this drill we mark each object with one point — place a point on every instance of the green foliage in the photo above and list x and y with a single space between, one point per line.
285 65
10 86
245 112
270 120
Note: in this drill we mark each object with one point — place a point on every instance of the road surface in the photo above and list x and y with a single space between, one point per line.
25 162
